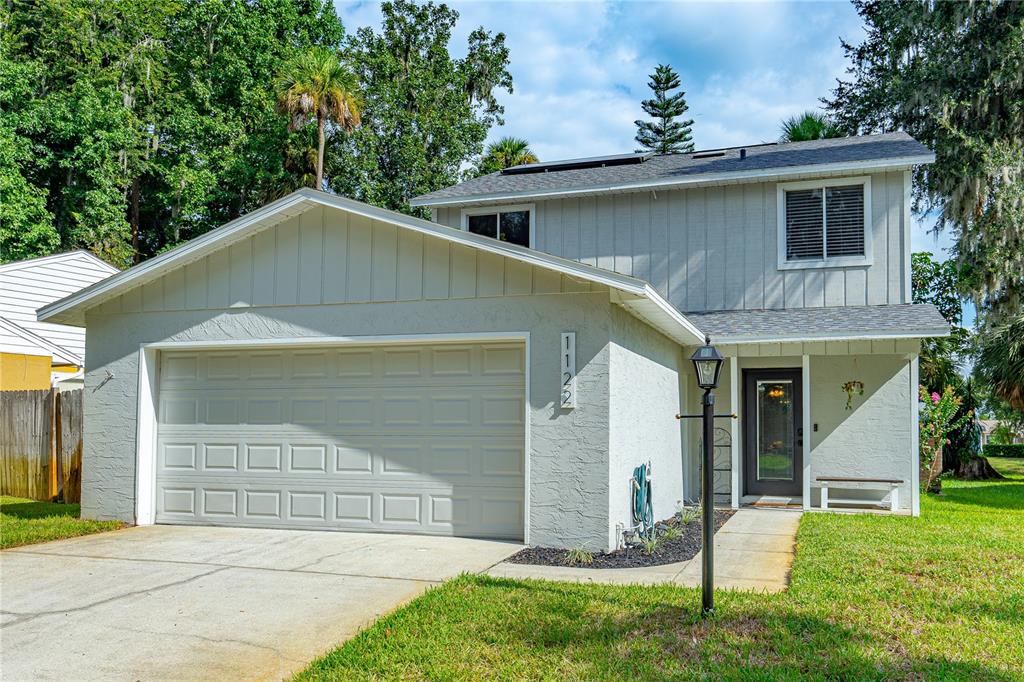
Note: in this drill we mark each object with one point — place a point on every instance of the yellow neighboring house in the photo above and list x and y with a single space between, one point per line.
37 355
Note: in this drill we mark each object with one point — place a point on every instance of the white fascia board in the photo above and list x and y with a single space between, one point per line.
677 317
696 180
69 310
825 336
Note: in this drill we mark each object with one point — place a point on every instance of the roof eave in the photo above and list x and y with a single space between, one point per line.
880 335
695 180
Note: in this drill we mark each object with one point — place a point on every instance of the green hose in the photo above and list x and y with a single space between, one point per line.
643 511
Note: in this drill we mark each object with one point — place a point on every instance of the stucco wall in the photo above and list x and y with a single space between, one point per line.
645 397
569 449
874 438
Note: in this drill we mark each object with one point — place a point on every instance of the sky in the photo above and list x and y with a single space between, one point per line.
580 69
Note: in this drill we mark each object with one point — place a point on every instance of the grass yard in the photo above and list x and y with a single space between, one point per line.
26 522
872 597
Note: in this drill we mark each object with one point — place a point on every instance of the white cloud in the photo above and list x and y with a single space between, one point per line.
580 68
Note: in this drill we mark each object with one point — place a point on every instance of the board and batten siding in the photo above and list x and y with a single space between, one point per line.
716 248
324 256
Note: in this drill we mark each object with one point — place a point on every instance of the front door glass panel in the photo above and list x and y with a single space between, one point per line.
776 445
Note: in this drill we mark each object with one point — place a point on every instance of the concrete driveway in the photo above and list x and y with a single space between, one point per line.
175 602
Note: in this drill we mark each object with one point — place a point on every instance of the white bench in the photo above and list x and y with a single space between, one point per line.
889 485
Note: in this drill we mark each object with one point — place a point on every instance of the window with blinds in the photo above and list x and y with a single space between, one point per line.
824 222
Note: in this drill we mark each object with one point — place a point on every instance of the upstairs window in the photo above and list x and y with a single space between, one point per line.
824 223
511 224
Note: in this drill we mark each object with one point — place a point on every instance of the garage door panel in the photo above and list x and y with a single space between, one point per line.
476 364
408 408
425 439
484 461
479 512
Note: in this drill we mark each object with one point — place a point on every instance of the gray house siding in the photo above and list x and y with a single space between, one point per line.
282 284
715 248
327 257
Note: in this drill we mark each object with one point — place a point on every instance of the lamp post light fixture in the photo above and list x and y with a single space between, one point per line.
707 363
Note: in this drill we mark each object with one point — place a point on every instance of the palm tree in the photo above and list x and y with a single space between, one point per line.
314 85
808 126
505 153
1001 361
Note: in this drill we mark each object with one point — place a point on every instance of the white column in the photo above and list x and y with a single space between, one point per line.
805 375
734 401
915 455
145 439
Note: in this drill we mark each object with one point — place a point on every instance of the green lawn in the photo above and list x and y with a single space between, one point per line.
872 597
26 522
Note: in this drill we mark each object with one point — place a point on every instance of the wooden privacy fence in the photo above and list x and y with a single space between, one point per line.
41 444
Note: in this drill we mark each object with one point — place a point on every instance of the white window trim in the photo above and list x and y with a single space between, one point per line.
504 208
839 261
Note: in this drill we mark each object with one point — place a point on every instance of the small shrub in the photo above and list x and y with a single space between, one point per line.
689 514
579 556
671 533
1003 450
650 544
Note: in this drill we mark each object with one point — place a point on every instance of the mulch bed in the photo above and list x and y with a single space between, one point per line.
682 548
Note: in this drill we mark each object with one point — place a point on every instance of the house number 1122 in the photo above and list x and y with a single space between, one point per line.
568 370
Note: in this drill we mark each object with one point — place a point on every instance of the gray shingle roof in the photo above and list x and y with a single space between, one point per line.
810 323
665 169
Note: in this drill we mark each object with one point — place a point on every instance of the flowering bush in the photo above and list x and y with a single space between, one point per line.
936 421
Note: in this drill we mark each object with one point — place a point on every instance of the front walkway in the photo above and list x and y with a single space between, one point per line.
753 551
177 603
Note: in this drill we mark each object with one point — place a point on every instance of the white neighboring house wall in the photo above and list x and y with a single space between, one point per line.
28 285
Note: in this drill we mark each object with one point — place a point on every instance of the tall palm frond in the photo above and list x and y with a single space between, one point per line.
315 86
1001 361
808 126
505 153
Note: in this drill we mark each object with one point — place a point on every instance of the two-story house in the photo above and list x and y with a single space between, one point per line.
501 370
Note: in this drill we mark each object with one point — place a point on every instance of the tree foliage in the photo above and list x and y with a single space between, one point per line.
128 127
426 112
665 134
505 153
952 75
810 125
937 283
131 126
1001 361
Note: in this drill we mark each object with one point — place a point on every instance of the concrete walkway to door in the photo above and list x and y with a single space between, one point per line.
753 551
185 603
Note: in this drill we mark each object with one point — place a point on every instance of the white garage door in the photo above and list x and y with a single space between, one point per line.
404 438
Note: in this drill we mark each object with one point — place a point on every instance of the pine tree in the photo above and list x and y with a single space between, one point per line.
665 135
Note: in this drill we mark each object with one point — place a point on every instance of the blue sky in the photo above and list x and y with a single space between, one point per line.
581 68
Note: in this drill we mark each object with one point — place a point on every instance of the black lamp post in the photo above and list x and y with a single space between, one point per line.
707 363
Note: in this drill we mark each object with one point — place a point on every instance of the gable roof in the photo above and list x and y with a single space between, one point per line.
759 162
636 295
80 256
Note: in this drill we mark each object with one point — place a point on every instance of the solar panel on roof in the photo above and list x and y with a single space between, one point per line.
574 164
